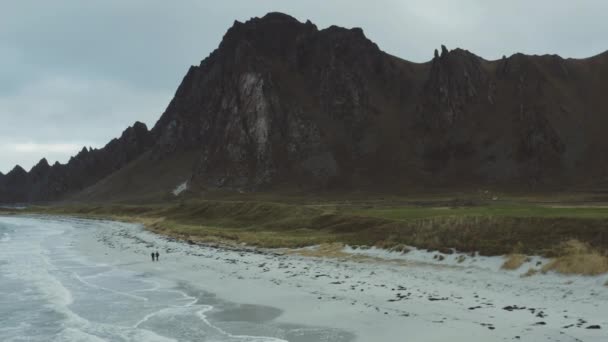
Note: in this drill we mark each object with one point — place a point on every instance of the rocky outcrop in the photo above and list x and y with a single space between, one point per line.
281 103
456 80
12 185
44 182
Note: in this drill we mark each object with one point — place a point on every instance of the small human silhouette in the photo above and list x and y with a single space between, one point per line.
157 255
152 254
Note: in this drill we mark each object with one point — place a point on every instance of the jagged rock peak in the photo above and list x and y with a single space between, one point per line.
138 129
463 53
278 17
456 77
137 134
274 19
455 52
42 164
17 170
272 24
39 171
140 126
276 32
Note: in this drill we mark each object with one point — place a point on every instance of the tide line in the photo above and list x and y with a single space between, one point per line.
109 290
203 317
152 314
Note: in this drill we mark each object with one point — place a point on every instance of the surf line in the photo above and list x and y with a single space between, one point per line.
109 290
152 314
157 288
203 317
153 288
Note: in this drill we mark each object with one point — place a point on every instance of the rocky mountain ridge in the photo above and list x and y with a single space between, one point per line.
45 182
281 103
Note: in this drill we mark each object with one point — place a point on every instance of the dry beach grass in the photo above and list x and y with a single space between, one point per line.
577 257
515 229
530 272
514 261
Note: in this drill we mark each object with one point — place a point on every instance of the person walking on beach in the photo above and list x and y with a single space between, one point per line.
152 254
157 255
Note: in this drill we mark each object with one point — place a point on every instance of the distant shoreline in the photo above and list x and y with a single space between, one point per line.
573 236
377 300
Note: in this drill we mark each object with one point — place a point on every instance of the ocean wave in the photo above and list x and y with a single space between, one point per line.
5 237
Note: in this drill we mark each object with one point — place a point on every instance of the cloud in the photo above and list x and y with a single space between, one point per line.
29 153
56 116
54 105
44 148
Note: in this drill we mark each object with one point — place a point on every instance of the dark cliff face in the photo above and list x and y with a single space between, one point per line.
12 184
282 103
44 182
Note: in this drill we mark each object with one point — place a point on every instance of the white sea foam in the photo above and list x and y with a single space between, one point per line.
242 338
94 302
5 237
120 293
71 334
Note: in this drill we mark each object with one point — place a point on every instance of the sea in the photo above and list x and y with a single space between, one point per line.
49 291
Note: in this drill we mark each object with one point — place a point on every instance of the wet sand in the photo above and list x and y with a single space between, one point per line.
57 284
378 297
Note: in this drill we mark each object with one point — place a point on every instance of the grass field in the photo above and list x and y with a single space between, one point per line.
496 210
513 226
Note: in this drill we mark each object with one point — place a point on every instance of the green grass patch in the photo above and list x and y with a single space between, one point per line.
502 210
491 229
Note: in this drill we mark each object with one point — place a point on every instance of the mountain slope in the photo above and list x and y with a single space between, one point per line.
45 182
280 101
281 104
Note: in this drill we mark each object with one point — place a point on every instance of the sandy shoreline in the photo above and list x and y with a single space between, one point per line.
409 300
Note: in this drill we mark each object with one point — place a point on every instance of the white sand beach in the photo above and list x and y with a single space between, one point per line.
390 297
208 293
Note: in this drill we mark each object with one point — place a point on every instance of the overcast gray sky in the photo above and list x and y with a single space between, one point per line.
75 73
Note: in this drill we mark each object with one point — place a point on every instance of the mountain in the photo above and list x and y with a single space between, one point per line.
44 182
282 104
11 184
